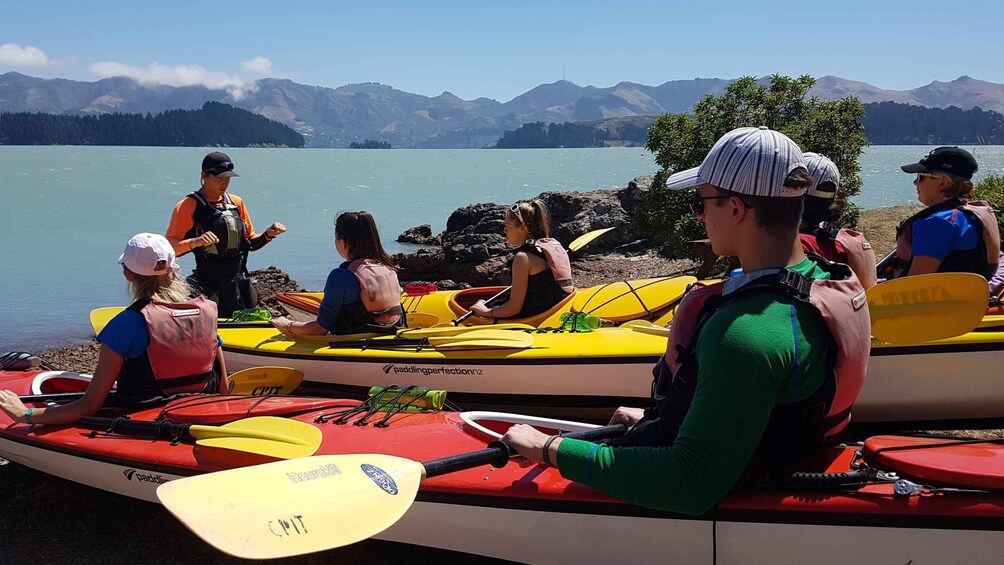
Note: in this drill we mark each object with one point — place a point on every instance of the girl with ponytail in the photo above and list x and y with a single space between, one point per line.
541 275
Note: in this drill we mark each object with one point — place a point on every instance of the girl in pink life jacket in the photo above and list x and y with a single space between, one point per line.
164 344
818 231
363 293
541 275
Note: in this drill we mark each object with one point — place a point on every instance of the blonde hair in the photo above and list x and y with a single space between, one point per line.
534 216
956 188
162 288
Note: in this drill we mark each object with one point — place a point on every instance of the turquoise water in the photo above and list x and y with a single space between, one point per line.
66 212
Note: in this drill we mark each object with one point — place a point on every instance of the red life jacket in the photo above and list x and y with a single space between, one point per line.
840 301
181 352
557 261
380 291
981 260
842 246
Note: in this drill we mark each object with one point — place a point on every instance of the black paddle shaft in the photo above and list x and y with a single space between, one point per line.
160 428
497 454
490 302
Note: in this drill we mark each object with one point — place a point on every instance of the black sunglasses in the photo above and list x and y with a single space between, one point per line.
220 168
697 202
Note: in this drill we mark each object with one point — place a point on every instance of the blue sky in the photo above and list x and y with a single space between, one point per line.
501 48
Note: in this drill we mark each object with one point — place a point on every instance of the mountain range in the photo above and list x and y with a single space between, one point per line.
334 117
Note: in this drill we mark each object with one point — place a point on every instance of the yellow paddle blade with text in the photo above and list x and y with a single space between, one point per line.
922 308
264 381
297 506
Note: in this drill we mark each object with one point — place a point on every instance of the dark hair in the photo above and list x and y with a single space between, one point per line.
358 230
818 209
534 216
779 215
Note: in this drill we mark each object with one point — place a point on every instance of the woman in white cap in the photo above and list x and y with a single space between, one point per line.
215 226
953 234
163 344
818 233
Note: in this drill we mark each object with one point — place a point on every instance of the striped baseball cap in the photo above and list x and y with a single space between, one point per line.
821 169
751 161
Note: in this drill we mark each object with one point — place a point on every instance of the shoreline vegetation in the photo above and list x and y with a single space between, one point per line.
214 125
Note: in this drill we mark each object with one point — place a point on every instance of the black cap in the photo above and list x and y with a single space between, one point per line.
219 165
956 163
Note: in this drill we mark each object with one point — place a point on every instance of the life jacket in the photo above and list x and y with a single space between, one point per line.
181 352
841 246
225 259
792 428
548 287
380 291
557 261
981 259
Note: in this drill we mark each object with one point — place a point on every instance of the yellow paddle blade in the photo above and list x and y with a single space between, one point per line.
927 307
450 329
297 506
422 320
264 381
504 339
281 438
646 327
582 240
101 316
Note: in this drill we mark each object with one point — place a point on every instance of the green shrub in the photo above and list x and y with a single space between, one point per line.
681 141
991 189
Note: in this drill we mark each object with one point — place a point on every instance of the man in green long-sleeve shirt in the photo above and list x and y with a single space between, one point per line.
758 370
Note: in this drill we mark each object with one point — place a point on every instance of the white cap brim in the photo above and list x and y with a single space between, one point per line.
684 179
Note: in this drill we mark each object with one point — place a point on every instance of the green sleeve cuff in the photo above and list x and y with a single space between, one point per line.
574 461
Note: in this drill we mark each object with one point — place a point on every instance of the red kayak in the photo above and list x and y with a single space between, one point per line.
532 514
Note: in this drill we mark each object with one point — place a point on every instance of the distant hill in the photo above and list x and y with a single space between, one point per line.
891 123
336 117
622 132
214 124
886 123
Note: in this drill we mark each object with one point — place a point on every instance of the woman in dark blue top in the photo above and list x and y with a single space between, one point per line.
363 293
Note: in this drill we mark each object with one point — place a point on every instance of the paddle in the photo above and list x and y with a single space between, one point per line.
264 381
282 438
100 317
910 309
255 381
487 338
316 503
928 307
577 243
453 330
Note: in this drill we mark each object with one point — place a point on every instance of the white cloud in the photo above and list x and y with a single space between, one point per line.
17 56
258 66
178 75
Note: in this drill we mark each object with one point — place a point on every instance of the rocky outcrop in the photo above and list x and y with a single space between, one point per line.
421 235
473 246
